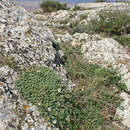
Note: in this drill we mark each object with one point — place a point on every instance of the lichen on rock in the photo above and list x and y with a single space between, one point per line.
29 43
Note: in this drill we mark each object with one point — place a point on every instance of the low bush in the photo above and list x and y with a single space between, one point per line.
110 22
76 7
100 89
100 0
43 88
50 6
77 29
125 41
83 16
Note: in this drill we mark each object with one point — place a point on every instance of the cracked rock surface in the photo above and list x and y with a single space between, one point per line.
24 42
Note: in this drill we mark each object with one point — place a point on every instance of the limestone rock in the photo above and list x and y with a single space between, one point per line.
82 17
24 42
6 4
103 5
110 54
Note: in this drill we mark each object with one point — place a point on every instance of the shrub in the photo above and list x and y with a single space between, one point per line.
76 7
125 41
100 87
110 22
78 29
100 1
83 16
50 6
56 104
91 105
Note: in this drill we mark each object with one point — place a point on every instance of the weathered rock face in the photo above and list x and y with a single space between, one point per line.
110 54
102 5
77 38
83 16
97 50
27 42
6 4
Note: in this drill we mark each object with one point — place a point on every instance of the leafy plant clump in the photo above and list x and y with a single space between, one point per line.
91 105
77 7
100 0
100 88
51 6
125 41
77 28
110 22
43 88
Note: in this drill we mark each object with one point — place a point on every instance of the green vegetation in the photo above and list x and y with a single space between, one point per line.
43 88
51 6
76 7
100 0
91 105
83 16
100 88
125 41
75 27
110 22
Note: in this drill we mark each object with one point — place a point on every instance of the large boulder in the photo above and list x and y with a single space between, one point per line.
24 42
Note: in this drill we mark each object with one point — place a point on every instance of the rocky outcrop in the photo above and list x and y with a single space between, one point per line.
6 4
110 54
80 16
102 5
24 42
77 38
95 49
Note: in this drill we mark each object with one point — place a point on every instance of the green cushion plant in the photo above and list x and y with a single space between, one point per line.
50 6
43 88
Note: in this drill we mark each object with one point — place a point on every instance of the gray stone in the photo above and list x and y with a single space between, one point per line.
29 42
110 54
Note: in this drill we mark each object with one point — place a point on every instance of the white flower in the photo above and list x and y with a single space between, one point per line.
59 90
55 121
